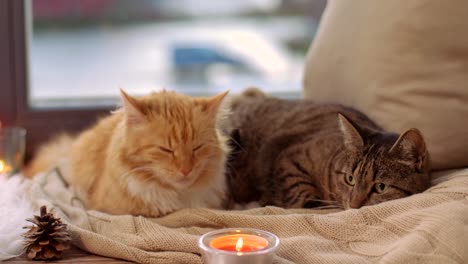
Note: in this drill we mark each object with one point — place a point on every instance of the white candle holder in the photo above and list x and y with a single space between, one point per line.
238 246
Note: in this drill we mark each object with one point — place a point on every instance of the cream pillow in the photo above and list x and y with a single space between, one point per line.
402 62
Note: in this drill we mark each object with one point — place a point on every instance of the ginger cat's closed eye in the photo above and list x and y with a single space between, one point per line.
156 154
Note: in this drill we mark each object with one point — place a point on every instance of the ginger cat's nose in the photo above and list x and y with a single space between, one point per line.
186 171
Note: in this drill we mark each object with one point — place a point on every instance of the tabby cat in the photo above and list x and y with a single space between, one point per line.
300 154
156 154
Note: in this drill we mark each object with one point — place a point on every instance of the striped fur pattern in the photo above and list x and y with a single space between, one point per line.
299 154
157 154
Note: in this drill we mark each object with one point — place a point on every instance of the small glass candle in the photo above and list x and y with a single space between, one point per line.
238 245
12 147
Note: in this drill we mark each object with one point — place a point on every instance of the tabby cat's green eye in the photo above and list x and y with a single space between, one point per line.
380 187
350 179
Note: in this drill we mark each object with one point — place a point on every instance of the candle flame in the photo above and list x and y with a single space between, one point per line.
239 244
2 166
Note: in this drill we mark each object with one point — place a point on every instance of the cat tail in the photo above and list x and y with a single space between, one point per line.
49 155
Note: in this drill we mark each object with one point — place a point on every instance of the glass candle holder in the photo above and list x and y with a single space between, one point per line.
238 245
12 147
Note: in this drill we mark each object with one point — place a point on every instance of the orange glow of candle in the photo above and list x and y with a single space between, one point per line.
239 243
2 166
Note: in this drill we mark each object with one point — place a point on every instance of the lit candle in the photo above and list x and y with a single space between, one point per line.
12 147
4 168
239 243
242 245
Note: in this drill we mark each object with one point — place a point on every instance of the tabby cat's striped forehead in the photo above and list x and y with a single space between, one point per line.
377 150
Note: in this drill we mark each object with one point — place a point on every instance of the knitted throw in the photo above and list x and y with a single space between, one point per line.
431 227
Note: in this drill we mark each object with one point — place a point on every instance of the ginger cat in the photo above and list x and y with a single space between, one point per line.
157 154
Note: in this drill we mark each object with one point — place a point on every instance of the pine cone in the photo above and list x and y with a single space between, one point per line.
47 238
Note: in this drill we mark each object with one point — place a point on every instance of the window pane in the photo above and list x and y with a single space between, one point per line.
82 51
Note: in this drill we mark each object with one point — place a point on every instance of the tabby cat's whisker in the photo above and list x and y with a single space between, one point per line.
237 143
326 191
328 207
322 201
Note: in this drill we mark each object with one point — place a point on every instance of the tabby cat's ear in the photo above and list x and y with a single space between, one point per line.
212 104
132 110
352 139
411 146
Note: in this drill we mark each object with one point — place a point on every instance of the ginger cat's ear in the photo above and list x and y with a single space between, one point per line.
132 111
212 104
352 139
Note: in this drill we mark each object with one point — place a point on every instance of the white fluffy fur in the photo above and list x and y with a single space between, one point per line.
167 201
14 209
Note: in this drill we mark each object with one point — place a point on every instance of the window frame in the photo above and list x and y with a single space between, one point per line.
41 124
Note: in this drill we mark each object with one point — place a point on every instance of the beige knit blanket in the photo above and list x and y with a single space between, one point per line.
431 227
